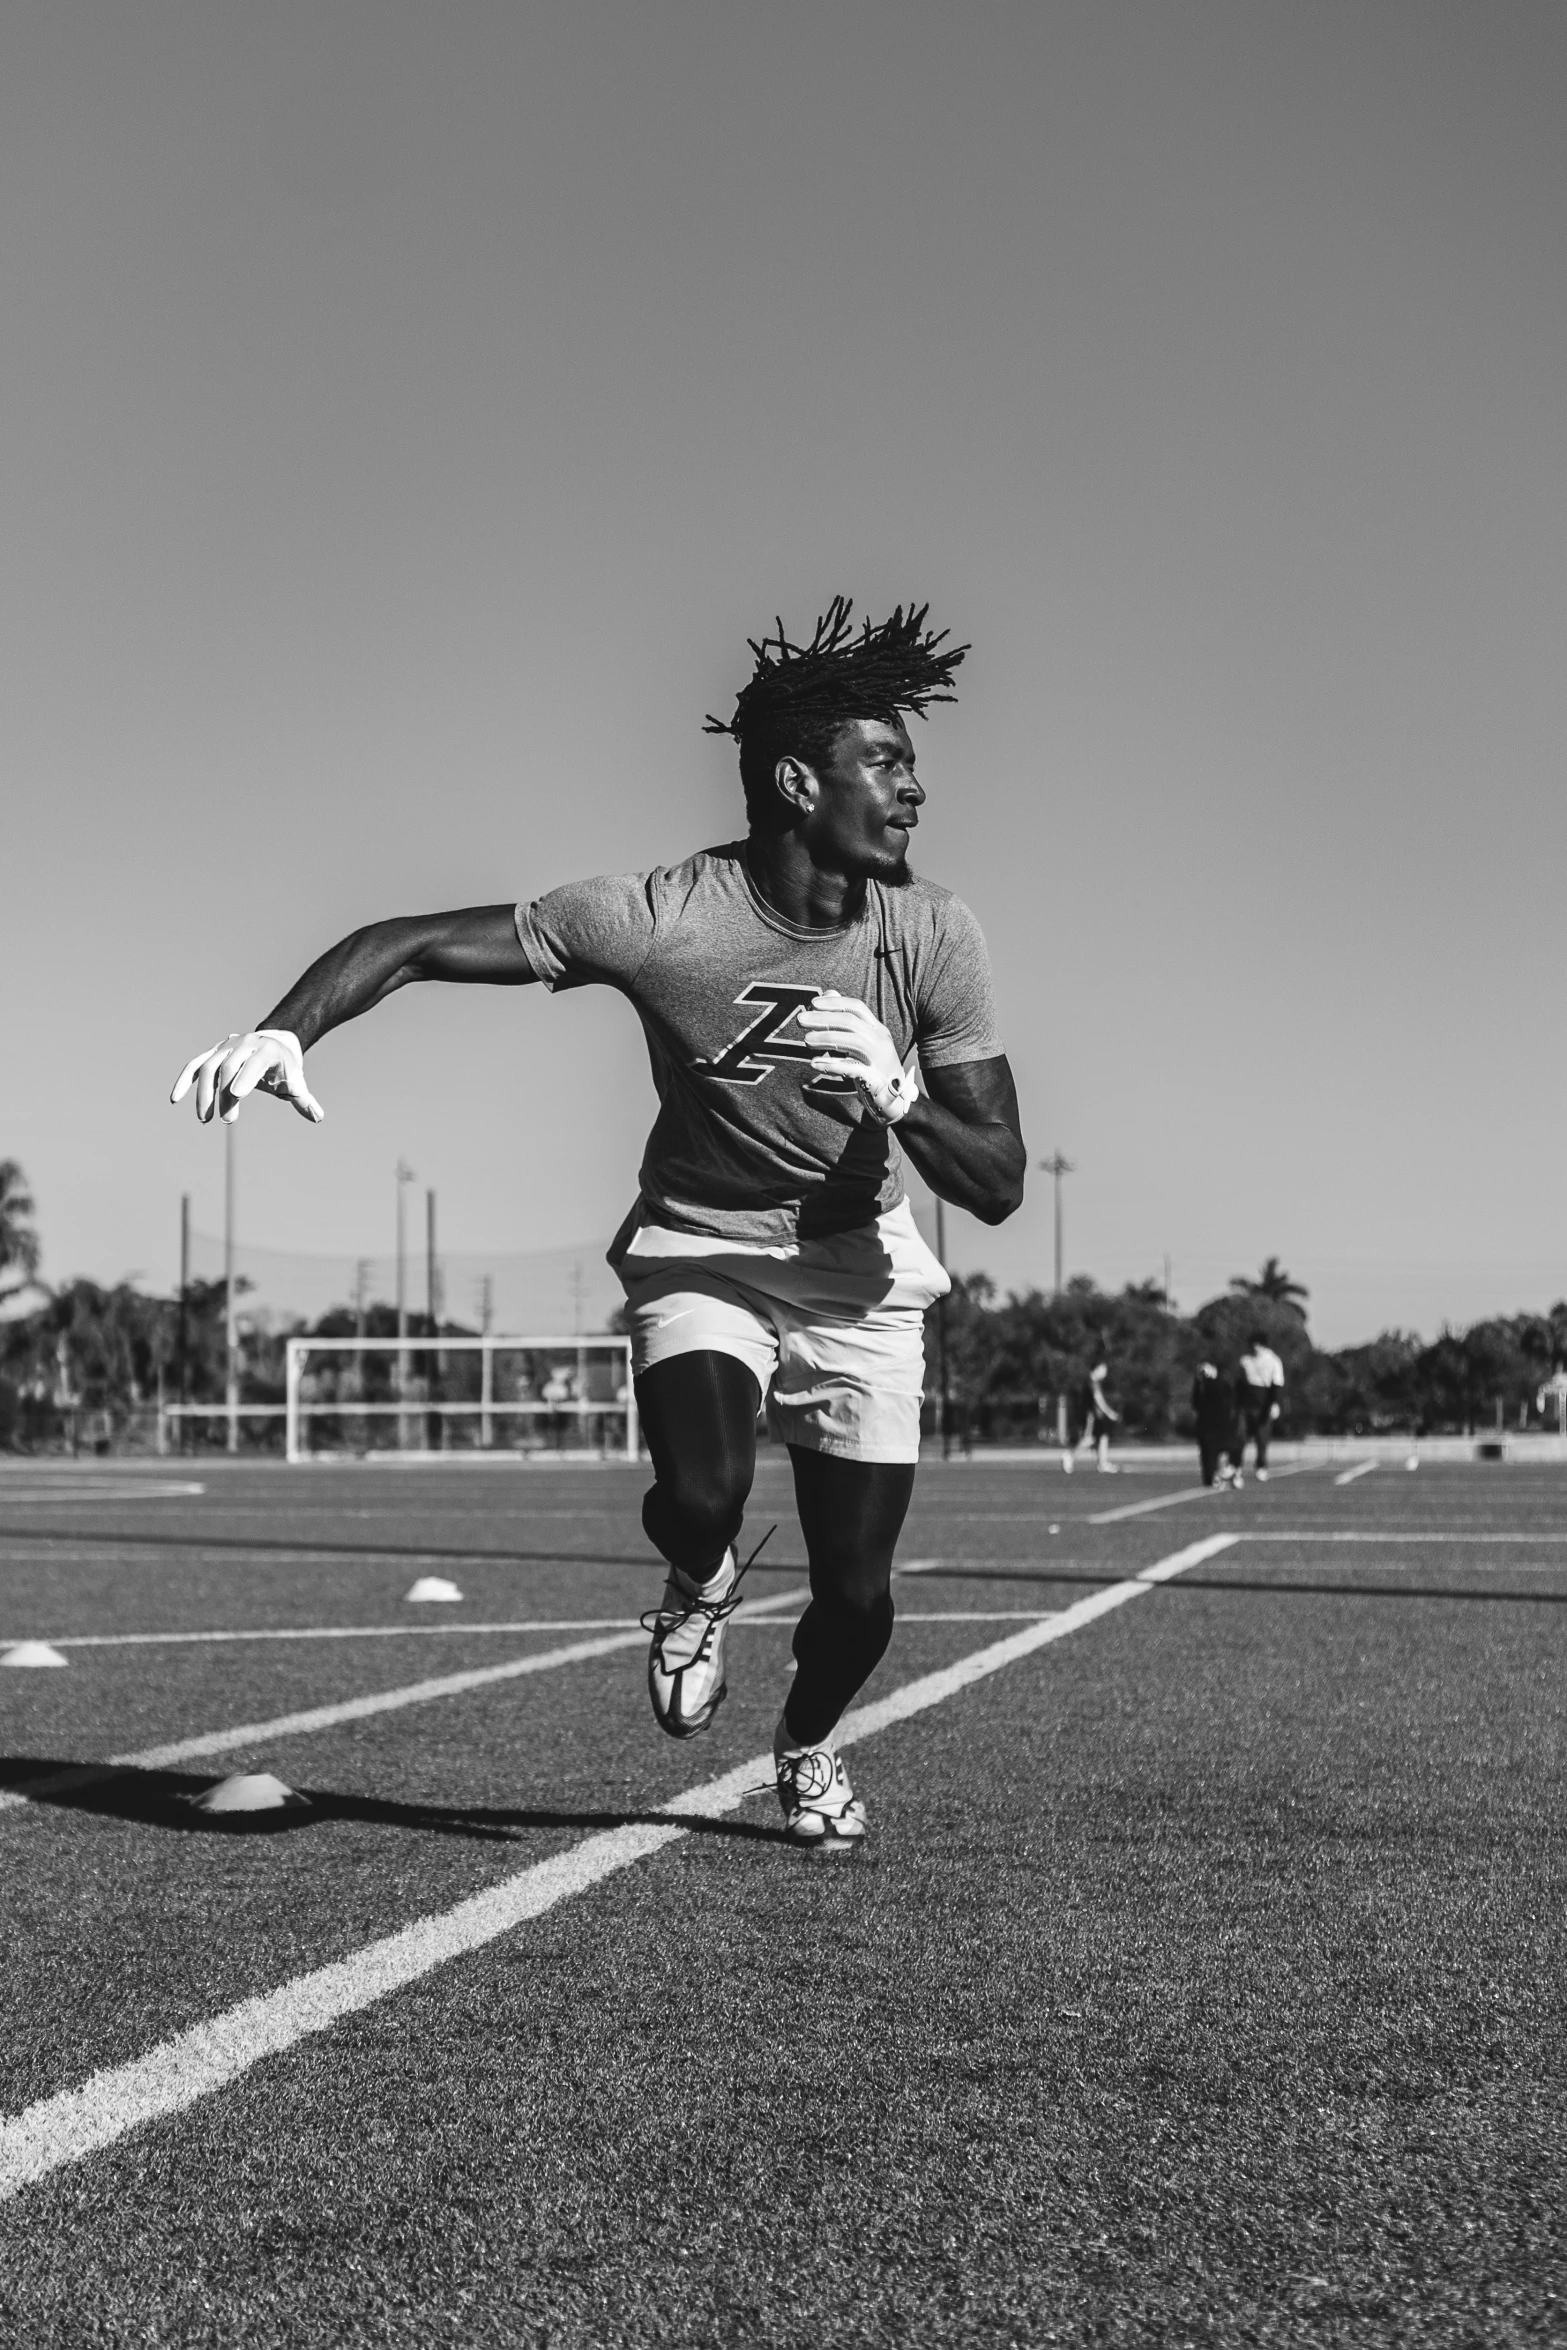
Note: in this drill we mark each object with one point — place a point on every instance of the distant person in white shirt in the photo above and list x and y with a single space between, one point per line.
1261 1399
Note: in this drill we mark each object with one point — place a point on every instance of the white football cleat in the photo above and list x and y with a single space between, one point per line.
685 1664
1262 1476
821 1811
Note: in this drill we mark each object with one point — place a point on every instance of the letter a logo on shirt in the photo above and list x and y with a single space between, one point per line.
758 1047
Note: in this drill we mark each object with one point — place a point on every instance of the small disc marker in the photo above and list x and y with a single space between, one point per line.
32 1652
433 1587
250 1791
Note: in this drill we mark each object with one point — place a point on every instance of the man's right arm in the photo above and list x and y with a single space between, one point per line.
474 945
477 944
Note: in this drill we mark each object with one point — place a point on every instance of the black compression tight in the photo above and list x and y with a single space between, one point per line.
698 1414
699 1418
852 1513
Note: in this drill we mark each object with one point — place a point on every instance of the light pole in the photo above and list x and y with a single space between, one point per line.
1058 1164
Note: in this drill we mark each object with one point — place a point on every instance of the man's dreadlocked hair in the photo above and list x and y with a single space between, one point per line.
800 697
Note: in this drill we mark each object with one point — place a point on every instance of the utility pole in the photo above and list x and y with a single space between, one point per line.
405 1176
361 1294
943 1390
1057 1165
230 1327
184 1327
582 1357
486 1363
432 1270
435 1424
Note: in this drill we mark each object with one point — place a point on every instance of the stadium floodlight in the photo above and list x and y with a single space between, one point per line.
1058 1164
494 1397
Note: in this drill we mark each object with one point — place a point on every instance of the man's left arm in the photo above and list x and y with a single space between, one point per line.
964 1136
961 1132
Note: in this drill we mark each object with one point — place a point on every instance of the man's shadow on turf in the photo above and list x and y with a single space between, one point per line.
165 1799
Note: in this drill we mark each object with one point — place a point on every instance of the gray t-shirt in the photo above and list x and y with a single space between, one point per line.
750 1144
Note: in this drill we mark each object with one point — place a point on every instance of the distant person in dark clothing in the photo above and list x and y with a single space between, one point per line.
1099 1418
1261 1400
1213 1403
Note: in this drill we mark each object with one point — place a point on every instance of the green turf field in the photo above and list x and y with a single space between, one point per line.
1203 1982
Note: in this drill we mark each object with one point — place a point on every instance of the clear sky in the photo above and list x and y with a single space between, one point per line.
408 412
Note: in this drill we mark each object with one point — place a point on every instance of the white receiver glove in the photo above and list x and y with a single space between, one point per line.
229 1072
847 1028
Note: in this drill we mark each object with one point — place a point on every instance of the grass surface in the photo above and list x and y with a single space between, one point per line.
1203 1983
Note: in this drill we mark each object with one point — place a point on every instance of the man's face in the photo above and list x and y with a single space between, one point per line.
867 803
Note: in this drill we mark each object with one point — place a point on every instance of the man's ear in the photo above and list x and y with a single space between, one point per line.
796 783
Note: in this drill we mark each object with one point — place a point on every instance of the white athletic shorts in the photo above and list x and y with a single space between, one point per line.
834 1329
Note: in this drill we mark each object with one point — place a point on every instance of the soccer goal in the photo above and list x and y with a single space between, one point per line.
514 1398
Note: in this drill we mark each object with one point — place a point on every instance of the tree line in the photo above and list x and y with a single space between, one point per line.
1009 1359
86 1363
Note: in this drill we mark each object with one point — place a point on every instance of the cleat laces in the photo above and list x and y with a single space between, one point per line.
661 1622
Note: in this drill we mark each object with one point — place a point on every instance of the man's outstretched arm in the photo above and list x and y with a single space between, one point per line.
476 944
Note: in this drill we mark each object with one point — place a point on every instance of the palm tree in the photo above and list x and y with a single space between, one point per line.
18 1240
1274 1285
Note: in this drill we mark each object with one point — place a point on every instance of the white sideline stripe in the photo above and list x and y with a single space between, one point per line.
349 1709
918 1566
163 1490
334 1632
363 1631
449 1631
1361 1469
1165 1501
197 2062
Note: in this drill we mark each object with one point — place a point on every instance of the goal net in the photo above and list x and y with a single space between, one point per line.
516 1398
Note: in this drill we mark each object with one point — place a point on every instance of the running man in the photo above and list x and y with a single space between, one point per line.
785 983
1261 1401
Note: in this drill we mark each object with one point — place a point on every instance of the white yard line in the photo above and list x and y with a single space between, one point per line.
1361 1469
1157 1501
988 1615
1437 1534
1165 1501
206 2058
349 1709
